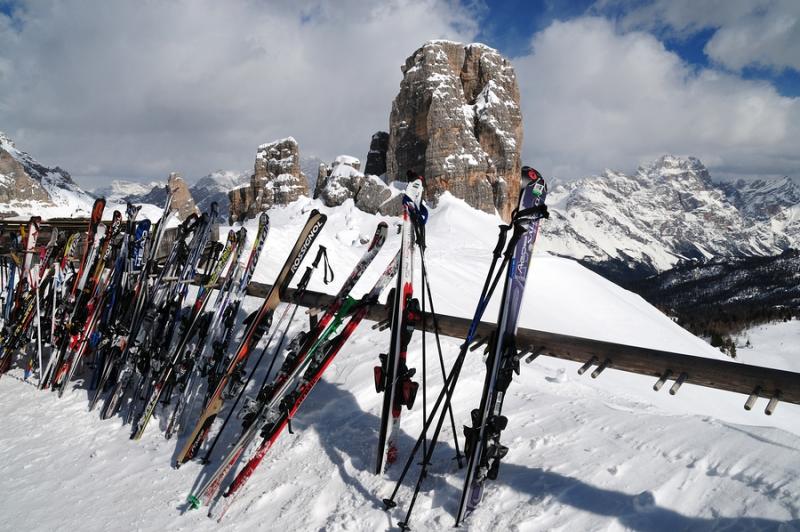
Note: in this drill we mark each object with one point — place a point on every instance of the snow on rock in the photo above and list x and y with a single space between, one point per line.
584 454
456 120
277 180
344 181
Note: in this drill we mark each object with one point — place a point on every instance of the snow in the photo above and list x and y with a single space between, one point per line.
773 345
264 147
585 454
344 170
346 159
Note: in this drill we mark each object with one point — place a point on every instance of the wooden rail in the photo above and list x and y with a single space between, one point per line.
753 381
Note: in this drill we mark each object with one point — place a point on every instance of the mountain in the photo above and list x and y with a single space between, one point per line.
723 296
121 191
667 212
215 187
763 199
29 188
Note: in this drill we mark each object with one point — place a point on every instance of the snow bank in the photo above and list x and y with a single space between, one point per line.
605 454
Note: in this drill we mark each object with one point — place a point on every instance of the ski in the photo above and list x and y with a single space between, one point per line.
203 297
393 377
255 330
226 305
273 416
483 447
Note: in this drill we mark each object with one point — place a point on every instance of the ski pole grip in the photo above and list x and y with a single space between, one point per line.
320 252
501 240
305 279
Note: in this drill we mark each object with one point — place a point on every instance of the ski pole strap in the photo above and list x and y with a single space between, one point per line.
322 253
537 210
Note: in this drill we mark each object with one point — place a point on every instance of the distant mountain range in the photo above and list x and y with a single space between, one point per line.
626 227
668 212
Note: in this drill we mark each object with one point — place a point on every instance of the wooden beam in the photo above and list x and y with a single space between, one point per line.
712 373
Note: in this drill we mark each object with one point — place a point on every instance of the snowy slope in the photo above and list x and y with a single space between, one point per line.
605 454
773 345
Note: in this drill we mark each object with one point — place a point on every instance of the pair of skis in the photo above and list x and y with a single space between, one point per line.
483 447
393 377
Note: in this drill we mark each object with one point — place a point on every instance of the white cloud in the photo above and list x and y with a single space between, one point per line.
142 88
129 89
594 97
760 33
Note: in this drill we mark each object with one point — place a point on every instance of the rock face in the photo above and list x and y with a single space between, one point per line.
376 158
343 181
16 183
457 121
277 180
27 186
182 201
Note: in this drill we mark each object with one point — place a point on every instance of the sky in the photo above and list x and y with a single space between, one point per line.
134 90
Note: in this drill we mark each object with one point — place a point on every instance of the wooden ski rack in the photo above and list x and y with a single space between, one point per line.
751 381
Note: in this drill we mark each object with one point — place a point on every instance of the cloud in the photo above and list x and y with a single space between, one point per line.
135 90
142 88
756 33
594 97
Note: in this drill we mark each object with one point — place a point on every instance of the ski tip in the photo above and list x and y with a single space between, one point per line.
389 504
194 502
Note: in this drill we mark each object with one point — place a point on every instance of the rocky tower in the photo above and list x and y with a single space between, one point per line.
376 158
277 180
182 200
457 121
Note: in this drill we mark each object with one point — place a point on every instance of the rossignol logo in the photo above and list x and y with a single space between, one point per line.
306 243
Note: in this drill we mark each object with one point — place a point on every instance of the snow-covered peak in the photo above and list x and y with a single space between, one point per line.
5 142
287 140
222 180
120 190
763 199
668 211
28 187
348 160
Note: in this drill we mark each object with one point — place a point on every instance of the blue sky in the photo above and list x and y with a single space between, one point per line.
135 90
509 25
